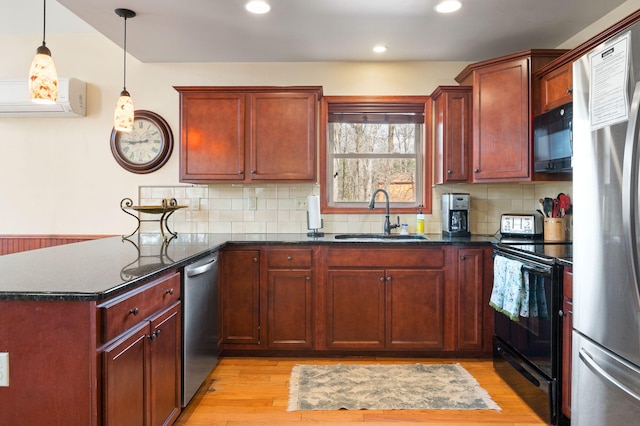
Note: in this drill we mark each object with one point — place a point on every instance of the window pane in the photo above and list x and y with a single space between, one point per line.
355 179
373 138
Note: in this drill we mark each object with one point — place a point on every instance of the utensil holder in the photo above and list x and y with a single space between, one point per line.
554 229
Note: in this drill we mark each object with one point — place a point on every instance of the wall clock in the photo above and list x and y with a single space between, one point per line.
147 147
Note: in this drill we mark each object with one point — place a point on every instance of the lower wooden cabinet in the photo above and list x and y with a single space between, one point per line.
567 347
341 298
239 296
141 373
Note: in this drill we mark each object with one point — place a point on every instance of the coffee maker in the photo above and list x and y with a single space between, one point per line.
455 215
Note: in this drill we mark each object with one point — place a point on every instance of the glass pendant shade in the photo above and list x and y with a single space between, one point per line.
43 77
123 117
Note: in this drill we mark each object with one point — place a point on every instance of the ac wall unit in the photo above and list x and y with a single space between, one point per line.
15 102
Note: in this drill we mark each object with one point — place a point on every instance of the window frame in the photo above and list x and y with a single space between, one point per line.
426 149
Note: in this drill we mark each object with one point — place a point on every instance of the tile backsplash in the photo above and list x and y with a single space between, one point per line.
281 208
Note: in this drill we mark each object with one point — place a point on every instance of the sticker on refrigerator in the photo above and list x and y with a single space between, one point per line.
609 66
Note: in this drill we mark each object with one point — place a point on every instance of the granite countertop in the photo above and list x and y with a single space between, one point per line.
98 269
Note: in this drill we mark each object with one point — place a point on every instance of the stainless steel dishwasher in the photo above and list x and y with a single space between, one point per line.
199 324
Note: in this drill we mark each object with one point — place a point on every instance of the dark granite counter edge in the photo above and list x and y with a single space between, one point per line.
247 239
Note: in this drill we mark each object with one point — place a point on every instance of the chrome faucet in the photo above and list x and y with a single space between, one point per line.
388 226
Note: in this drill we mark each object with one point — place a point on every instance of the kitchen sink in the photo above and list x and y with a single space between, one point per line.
380 237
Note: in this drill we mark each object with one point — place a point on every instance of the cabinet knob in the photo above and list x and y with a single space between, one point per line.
449 171
561 313
388 278
289 258
134 311
240 172
462 257
476 170
253 172
307 278
569 91
169 292
381 279
255 260
154 335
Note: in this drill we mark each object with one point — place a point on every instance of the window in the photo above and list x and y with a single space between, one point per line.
375 142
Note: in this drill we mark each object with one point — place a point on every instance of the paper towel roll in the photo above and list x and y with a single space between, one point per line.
313 205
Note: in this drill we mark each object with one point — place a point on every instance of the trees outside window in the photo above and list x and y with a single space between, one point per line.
375 142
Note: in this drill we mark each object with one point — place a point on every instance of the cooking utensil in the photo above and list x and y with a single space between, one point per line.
555 209
547 206
565 204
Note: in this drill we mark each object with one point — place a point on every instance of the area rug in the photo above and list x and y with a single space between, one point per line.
386 387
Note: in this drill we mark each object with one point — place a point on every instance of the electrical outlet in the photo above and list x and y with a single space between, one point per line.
4 368
301 203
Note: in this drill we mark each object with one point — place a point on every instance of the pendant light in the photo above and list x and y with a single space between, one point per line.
43 78
123 116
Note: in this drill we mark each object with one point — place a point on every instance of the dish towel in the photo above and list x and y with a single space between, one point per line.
508 287
534 300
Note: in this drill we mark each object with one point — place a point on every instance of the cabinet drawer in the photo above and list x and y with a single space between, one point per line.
289 258
374 256
123 312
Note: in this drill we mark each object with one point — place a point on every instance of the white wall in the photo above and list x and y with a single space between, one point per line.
58 176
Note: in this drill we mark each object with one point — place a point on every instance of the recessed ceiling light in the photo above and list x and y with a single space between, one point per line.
379 48
258 6
448 6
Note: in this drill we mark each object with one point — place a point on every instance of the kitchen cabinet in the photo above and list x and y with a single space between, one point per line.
141 367
556 87
471 298
289 298
240 298
389 299
567 328
452 111
504 101
248 134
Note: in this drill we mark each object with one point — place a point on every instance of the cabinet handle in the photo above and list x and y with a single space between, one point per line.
388 278
154 335
569 91
449 171
462 257
169 292
240 172
255 260
253 172
476 170
289 258
381 279
134 311
307 278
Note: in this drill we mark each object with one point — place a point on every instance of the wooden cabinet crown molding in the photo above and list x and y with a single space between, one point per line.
251 89
571 55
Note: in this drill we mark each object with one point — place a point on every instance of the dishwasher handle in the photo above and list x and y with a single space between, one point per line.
201 269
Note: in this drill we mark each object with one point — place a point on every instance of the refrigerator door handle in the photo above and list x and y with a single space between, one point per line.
599 371
629 188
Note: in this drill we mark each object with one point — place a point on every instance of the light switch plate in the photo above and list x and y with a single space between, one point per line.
4 369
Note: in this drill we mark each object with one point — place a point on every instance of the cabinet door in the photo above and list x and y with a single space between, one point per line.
289 309
557 87
240 297
212 136
125 369
165 366
415 309
355 309
501 122
470 299
567 347
452 133
283 136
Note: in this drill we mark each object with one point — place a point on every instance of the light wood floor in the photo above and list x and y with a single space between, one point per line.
248 391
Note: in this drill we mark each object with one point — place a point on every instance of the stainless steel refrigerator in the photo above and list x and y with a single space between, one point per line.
606 254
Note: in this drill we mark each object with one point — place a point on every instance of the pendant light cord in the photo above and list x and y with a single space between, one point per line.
44 22
124 79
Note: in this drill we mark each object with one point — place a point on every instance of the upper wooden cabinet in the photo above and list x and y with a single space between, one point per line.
504 101
245 134
557 87
452 130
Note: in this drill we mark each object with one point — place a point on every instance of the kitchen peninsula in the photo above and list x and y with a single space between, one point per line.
69 311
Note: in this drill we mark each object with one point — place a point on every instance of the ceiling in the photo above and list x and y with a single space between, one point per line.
316 30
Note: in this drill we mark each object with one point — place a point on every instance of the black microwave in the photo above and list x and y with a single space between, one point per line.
553 140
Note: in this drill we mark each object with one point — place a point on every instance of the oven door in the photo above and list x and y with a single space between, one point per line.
535 337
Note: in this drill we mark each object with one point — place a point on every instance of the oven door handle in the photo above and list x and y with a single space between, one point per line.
536 270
